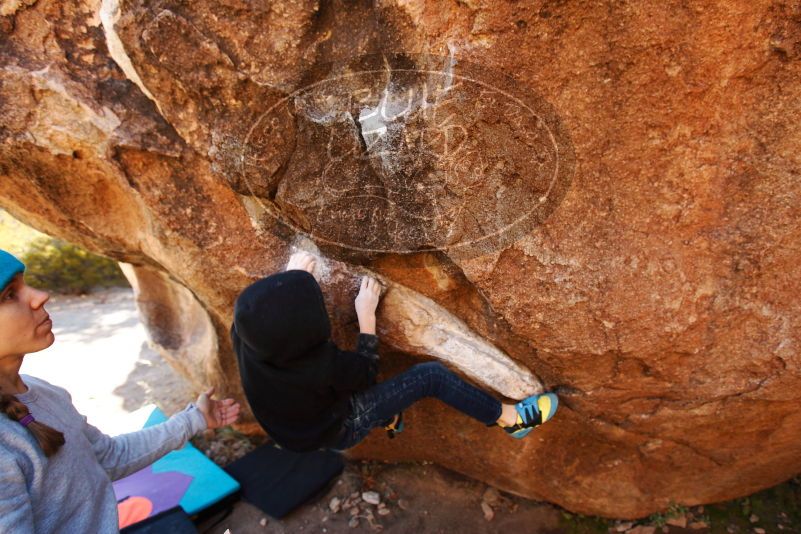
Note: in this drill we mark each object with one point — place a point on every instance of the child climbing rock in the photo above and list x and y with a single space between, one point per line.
308 394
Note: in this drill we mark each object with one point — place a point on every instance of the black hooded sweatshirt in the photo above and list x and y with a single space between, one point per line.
297 381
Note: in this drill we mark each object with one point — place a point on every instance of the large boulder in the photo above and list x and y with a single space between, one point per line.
600 199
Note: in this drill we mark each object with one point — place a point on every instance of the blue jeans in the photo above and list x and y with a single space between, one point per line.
376 406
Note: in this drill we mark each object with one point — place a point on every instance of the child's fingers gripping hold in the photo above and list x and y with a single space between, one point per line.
367 299
373 285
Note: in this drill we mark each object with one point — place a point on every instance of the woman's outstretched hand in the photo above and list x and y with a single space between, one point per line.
217 412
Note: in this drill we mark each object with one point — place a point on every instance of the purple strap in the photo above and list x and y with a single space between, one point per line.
25 421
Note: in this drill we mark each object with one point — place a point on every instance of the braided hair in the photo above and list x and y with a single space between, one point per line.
50 440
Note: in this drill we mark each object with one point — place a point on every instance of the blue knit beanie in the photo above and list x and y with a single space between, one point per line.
9 268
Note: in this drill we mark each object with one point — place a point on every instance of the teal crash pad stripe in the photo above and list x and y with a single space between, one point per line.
210 485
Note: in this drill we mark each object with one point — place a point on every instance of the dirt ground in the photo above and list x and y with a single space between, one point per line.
418 498
102 358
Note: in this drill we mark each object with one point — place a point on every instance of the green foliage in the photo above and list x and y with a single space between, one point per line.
62 267
582 524
56 265
673 511
745 506
14 235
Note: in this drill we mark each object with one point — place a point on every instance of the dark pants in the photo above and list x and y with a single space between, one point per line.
376 406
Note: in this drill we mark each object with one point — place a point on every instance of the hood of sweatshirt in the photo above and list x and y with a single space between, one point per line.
281 320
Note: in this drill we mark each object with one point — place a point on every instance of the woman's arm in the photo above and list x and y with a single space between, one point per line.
127 453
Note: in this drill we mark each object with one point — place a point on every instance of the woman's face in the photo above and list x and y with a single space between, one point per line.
25 326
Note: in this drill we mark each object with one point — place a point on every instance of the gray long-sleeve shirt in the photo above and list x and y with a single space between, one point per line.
71 491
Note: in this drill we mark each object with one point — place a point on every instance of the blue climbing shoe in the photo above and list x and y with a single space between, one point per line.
532 412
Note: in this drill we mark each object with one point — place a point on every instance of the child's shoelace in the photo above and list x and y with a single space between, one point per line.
530 416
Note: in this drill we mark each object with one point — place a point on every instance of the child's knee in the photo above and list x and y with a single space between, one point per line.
433 372
432 367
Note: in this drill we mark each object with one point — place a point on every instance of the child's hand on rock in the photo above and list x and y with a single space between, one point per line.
366 303
218 413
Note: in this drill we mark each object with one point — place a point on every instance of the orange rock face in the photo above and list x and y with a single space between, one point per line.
601 199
